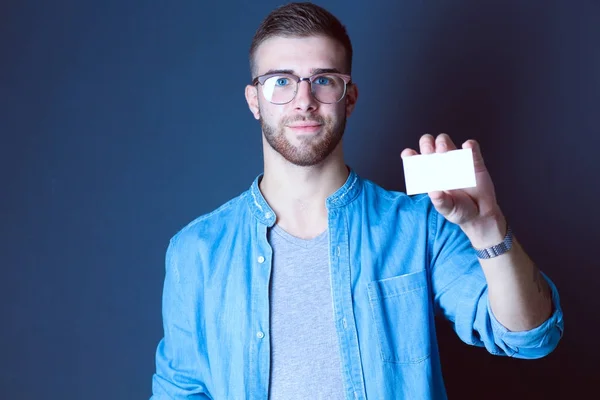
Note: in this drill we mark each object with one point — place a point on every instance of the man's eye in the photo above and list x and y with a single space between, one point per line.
282 81
322 80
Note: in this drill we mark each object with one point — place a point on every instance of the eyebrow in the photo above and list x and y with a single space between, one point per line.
313 71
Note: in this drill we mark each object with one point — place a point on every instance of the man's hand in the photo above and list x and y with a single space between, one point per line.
518 301
475 209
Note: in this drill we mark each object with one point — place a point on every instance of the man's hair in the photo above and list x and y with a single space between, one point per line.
301 20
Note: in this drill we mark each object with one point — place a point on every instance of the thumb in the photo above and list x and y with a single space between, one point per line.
443 202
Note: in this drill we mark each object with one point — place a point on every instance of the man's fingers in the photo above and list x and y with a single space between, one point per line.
477 157
443 143
427 144
408 153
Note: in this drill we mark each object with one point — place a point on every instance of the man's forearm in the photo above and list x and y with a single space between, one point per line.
519 295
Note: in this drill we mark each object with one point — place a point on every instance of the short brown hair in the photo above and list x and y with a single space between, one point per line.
301 20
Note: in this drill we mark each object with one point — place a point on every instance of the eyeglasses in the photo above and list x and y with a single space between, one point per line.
281 88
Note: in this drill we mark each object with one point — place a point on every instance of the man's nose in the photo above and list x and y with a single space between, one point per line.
304 99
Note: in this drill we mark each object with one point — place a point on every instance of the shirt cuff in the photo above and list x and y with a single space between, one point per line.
537 342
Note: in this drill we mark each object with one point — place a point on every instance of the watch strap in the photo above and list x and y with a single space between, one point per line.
499 249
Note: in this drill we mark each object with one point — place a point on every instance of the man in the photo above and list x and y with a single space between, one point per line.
317 284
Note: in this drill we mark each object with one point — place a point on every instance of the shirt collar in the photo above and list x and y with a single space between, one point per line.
343 196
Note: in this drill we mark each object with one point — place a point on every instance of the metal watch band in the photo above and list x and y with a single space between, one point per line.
495 251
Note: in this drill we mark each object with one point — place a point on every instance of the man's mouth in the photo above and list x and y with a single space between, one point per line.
305 127
304 124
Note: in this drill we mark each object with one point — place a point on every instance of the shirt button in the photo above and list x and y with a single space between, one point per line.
261 259
260 335
268 215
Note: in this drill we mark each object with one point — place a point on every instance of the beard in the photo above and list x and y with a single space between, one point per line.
313 149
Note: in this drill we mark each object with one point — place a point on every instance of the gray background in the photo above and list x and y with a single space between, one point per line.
121 121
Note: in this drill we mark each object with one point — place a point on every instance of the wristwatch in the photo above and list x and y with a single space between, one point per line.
499 249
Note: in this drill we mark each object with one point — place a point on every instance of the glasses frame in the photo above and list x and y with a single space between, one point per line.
345 77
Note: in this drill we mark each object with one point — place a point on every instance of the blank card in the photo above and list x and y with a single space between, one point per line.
439 171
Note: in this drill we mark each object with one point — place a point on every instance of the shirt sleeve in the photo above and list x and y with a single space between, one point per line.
178 374
461 296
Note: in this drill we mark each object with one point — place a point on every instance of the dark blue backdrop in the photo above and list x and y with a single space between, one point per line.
123 120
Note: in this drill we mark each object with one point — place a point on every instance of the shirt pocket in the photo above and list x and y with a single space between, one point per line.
400 308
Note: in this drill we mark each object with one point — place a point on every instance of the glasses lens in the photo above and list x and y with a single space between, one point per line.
279 89
328 88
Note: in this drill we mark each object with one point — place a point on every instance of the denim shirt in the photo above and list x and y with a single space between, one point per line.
395 263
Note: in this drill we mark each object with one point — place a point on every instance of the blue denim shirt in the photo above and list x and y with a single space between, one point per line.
395 262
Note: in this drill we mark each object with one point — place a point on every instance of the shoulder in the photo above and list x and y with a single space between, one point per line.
213 224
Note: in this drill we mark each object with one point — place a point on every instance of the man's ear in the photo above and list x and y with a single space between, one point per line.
252 100
351 97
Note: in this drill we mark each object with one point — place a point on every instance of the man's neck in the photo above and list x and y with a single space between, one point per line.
298 194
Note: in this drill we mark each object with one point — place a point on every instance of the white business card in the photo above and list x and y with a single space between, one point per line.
439 171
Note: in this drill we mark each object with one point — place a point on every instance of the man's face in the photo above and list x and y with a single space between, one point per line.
304 131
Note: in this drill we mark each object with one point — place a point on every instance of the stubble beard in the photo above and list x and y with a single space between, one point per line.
313 148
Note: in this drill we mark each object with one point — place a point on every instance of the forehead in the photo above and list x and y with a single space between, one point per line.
299 54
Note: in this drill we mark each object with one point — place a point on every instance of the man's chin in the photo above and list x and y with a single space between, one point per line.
306 156
304 162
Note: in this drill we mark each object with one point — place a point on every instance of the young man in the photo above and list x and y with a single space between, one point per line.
317 284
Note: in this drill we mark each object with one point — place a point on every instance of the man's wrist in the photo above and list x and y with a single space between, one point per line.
486 231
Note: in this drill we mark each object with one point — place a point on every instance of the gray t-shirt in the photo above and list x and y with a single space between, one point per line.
305 355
